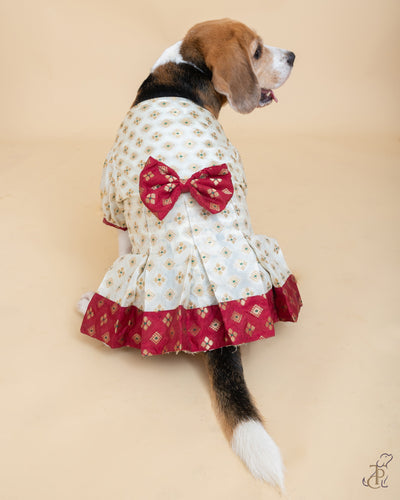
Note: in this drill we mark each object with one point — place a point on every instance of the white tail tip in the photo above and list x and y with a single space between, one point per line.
83 303
251 442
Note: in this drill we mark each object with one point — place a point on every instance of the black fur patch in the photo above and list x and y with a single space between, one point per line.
232 395
181 80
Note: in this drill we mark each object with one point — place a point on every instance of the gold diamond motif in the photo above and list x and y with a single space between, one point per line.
156 337
215 325
256 311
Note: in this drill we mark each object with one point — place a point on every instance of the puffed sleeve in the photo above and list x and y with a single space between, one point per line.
111 199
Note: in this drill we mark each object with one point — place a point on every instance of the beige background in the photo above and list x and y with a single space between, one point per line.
80 421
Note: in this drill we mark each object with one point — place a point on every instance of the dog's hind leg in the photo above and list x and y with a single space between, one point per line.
240 417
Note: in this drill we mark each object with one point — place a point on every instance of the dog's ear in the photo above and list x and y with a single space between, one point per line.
233 76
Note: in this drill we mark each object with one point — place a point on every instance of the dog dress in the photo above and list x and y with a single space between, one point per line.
197 277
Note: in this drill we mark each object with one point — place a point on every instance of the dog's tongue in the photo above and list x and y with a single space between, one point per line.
267 96
273 96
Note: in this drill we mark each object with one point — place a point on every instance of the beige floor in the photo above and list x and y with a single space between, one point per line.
81 421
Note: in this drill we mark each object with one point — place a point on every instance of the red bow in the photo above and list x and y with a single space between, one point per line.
160 187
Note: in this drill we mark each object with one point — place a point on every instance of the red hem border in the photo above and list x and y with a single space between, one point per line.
191 330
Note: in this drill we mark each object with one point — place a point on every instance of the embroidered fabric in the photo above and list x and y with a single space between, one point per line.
193 274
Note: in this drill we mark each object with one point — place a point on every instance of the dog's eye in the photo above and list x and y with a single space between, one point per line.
258 52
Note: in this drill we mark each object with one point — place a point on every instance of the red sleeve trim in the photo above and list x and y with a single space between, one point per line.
113 225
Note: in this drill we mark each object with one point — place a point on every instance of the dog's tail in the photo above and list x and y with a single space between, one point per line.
240 418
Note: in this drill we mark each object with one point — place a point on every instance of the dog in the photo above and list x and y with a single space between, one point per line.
191 275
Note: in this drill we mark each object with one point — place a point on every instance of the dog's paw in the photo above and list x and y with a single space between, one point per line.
83 303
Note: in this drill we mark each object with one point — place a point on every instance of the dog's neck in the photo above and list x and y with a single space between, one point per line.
182 79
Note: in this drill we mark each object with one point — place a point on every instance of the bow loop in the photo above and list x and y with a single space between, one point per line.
160 187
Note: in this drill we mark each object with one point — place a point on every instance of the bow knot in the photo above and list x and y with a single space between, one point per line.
185 186
160 187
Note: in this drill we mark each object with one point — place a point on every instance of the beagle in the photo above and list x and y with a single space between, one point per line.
217 62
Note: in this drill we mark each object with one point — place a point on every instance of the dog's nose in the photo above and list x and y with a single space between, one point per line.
290 58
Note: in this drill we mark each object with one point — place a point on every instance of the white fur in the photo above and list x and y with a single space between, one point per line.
83 303
280 64
258 451
172 54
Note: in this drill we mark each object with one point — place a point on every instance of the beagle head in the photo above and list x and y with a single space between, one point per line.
242 69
